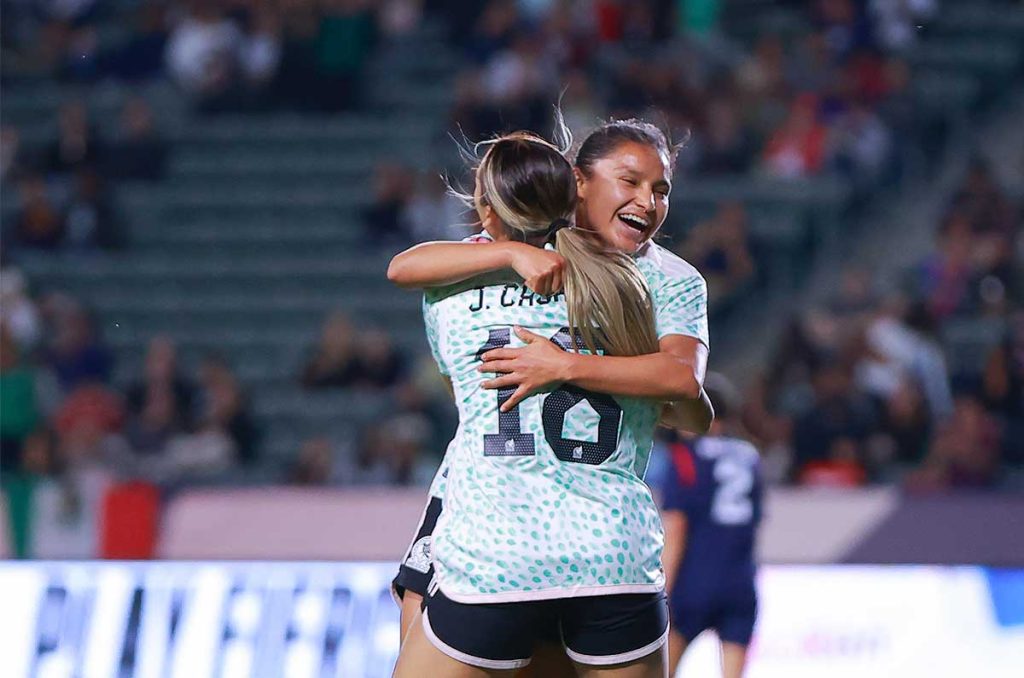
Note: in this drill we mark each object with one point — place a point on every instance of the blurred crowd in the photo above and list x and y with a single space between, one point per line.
922 383
831 98
918 383
224 55
64 188
63 412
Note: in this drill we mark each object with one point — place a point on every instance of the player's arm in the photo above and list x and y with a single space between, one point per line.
675 525
674 375
435 264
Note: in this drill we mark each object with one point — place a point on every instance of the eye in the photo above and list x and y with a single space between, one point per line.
630 181
663 192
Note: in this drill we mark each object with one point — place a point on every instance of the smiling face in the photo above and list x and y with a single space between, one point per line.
624 198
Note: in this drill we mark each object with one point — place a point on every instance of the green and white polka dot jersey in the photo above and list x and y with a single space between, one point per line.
678 292
547 501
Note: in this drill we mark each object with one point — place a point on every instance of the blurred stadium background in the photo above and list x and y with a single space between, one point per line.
202 360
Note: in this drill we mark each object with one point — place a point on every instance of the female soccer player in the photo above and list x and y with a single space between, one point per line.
546 517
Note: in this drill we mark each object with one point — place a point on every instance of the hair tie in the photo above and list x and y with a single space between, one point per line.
556 226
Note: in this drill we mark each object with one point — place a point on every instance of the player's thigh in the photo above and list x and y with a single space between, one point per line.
419 657
677 644
411 604
734 659
654 665
549 661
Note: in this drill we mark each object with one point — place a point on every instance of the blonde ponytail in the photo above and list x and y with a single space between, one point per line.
608 299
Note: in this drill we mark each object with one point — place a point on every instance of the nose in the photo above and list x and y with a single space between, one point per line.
645 198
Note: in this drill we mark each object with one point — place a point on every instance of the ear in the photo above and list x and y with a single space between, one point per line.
581 183
490 220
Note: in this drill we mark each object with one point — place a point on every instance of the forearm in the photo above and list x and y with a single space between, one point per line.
692 415
435 264
660 376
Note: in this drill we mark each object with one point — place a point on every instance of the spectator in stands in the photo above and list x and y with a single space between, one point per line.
896 22
335 361
10 151
983 203
1002 388
260 56
725 146
494 30
394 452
315 464
797 148
384 219
202 55
905 427
90 220
19 411
943 277
77 145
18 312
844 25
223 407
38 223
965 451
720 250
856 301
400 17
902 345
380 363
141 57
830 436
85 420
861 145
433 213
346 35
138 152
580 106
160 404
74 350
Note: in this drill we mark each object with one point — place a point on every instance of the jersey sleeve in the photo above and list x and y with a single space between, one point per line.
681 307
430 321
681 480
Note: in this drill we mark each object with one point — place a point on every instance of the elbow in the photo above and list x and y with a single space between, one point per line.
397 273
703 422
684 384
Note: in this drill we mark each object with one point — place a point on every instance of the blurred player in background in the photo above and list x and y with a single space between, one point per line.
711 511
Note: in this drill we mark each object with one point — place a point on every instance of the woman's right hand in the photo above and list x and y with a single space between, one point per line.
541 269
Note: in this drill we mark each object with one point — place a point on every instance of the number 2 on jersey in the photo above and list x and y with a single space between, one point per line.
511 441
732 504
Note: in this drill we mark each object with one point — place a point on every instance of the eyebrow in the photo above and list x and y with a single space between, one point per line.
630 170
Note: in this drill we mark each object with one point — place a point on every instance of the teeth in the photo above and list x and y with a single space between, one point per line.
634 219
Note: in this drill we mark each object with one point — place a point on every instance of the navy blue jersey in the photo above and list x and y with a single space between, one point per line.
716 482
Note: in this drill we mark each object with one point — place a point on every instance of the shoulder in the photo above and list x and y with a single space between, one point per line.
656 260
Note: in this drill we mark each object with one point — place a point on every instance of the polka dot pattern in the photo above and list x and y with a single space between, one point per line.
524 523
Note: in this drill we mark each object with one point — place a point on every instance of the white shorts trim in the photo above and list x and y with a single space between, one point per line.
605 660
468 658
551 594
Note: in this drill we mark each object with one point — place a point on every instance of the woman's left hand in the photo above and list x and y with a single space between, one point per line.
539 366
